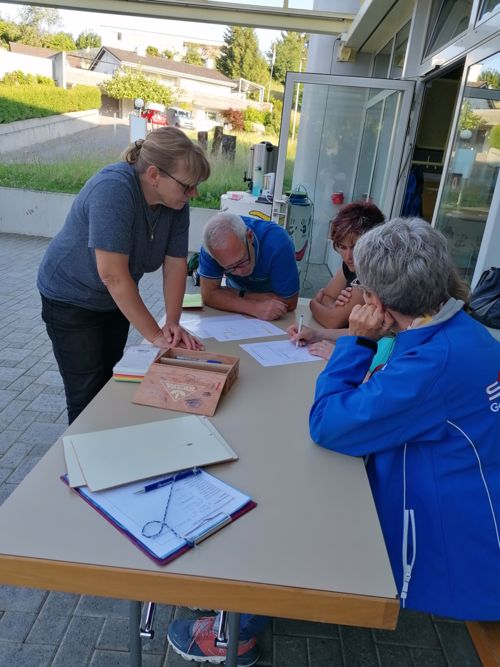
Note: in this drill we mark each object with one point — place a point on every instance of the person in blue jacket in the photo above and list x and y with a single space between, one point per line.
257 257
428 422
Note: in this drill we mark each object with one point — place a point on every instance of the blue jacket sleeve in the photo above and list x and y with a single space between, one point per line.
397 404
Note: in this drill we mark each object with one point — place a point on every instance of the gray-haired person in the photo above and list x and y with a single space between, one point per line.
258 259
428 421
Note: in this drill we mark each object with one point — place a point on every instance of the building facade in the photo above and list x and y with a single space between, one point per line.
404 109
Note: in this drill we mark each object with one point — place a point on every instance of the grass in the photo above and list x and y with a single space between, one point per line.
70 176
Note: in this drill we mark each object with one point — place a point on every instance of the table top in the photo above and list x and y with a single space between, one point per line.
311 549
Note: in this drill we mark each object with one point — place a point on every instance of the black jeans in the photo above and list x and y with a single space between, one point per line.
87 344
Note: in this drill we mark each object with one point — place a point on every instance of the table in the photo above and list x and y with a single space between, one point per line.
312 549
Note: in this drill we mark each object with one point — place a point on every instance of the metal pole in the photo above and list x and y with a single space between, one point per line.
233 623
296 105
135 639
273 59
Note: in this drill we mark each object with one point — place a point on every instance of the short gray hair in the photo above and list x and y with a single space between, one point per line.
217 229
405 262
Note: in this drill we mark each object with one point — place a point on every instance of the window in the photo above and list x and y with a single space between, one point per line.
400 48
382 61
448 19
489 7
389 61
473 168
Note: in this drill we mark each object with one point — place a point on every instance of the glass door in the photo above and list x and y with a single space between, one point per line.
473 167
341 139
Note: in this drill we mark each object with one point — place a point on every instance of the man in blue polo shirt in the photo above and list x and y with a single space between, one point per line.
258 259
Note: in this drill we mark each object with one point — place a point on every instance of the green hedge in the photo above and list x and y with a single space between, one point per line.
37 101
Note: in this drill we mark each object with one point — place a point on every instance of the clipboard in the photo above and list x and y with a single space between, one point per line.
122 509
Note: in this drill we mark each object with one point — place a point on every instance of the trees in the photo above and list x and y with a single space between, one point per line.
152 51
37 27
193 56
240 56
290 50
62 41
9 32
88 40
43 20
127 83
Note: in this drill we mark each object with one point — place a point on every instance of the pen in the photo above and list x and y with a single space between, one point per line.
299 329
169 480
198 361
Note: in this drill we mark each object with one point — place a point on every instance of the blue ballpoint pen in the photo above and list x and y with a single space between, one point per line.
169 480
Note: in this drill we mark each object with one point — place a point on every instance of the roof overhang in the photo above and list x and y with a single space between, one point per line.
206 11
376 22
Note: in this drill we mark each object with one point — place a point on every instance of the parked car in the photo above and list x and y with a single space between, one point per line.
180 118
155 114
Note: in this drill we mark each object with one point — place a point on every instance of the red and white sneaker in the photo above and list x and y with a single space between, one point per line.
195 640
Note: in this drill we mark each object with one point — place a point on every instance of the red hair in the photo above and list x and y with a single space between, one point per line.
355 218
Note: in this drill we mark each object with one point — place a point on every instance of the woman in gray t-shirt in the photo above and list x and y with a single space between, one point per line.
129 219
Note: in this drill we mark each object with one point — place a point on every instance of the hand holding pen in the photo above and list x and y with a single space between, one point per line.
303 335
299 329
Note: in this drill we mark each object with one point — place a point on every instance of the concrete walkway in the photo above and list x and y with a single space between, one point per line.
42 629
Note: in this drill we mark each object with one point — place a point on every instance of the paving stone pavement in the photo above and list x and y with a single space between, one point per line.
47 629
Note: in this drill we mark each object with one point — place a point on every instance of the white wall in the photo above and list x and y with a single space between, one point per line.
43 214
9 62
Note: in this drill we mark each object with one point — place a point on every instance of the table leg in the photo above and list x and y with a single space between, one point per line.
233 624
135 639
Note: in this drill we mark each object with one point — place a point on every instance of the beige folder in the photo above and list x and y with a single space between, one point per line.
130 453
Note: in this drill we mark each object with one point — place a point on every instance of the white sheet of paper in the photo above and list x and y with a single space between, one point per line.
278 353
239 328
201 326
198 503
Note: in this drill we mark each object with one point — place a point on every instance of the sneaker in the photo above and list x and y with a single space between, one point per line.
195 640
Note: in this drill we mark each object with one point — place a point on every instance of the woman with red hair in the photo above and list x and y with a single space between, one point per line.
352 221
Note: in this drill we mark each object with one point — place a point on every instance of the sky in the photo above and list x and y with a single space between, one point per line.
77 21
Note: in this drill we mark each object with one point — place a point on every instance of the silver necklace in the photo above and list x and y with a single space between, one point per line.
155 217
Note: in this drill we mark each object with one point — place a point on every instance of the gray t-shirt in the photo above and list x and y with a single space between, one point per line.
110 213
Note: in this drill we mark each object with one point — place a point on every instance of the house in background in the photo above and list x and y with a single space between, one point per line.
67 69
207 92
138 40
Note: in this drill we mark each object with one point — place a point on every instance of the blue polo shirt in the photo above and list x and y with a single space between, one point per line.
275 267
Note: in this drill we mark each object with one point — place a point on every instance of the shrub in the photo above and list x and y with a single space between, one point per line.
20 102
127 83
272 119
253 115
495 137
235 118
19 78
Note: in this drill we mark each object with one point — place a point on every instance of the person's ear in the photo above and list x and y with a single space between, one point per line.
153 175
375 300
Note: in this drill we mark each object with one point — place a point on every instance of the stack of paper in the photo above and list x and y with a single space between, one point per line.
192 301
104 459
135 362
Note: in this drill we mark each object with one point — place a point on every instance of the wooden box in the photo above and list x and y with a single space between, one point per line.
187 381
